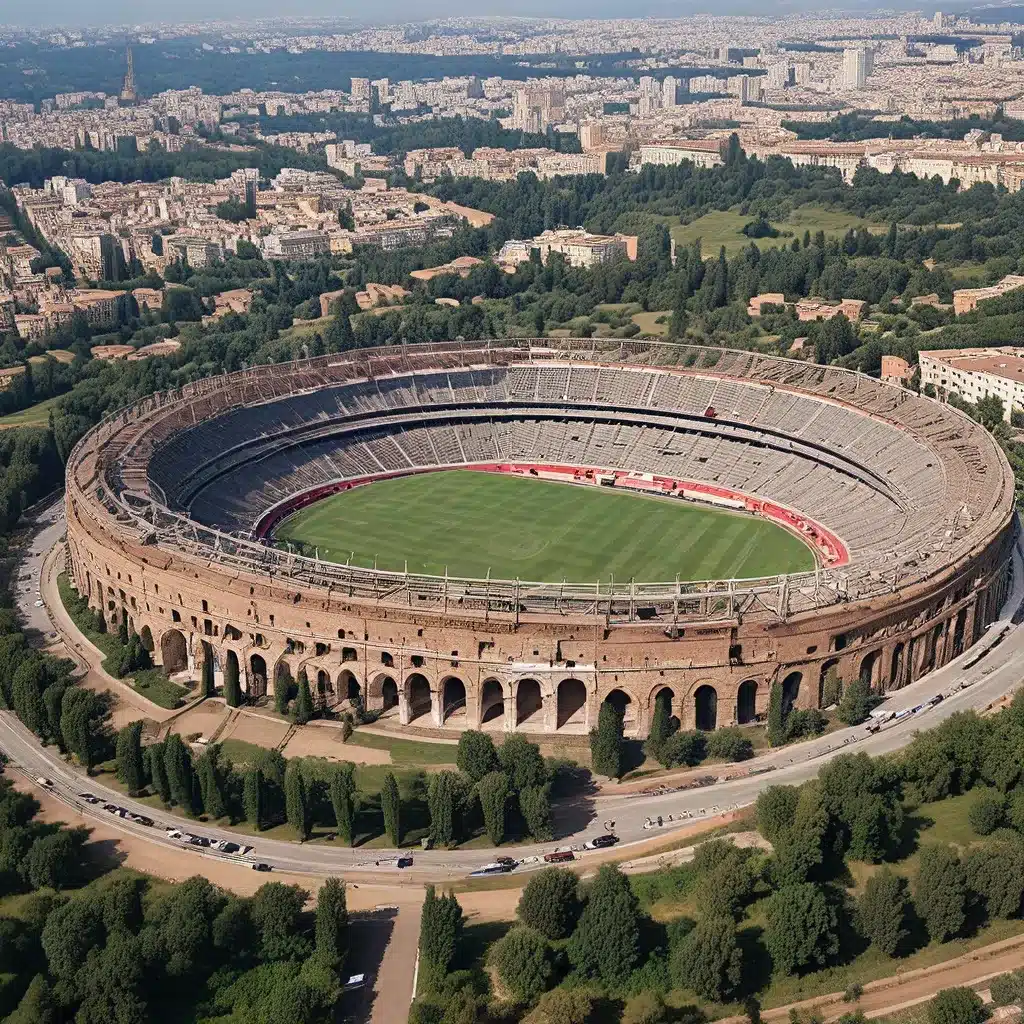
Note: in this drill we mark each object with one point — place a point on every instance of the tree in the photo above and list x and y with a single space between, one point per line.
645 1008
727 888
440 930
606 751
208 688
882 911
956 1006
606 942
254 798
131 766
562 1006
776 717
535 807
303 710
524 962
180 773
550 903
158 772
276 910
855 706
995 873
232 686
729 745
391 805
342 792
1007 988
444 801
332 923
476 754
776 807
37 1005
987 812
661 724
522 762
493 791
297 807
709 959
212 775
802 929
689 748
940 892
54 861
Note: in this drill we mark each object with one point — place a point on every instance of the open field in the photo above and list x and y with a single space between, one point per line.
725 227
469 524
37 415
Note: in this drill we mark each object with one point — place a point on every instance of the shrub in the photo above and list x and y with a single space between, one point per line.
1007 988
524 963
729 745
956 1006
689 748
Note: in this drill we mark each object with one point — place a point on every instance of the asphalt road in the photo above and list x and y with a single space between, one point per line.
986 672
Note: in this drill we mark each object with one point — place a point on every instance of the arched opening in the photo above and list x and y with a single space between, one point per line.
830 686
705 702
283 681
173 651
348 687
665 697
746 702
324 689
623 704
958 632
417 691
869 668
790 692
453 703
571 703
492 702
896 665
389 693
258 677
146 636
528 700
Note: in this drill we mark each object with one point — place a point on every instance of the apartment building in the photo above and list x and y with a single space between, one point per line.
700 152
976 373
967 299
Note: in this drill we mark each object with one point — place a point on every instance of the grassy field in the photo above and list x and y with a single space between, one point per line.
725 227
404 751
470 523
37 415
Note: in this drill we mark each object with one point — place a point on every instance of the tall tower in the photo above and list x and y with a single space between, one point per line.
128 91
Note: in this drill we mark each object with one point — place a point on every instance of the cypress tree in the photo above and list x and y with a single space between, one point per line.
661 724
180 773
440 929
122 632
207 678
606 742
211 782
158 772
332 923
342 790
303 710
232 687
296 801
131 768
391 805
776 721
493 790
443 802
254 798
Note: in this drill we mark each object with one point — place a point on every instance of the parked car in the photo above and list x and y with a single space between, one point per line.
600 842
559 856
405 861
355 981
260 867
89 798
44 781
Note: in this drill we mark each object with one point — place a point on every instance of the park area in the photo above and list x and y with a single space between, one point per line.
473 524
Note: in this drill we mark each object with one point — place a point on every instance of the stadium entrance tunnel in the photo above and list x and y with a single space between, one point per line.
419 700
572 703
453 702
706 708
492 703
746 702
173 651
529 701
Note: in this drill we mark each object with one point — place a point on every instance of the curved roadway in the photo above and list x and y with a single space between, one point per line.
980 676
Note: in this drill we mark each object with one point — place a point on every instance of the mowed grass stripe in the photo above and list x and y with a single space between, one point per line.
469 523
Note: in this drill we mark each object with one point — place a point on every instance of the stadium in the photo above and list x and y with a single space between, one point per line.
504 534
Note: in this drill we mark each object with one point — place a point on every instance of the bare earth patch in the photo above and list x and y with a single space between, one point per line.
321 739
204 719
258 729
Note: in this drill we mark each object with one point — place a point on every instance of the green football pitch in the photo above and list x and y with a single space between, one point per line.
517 527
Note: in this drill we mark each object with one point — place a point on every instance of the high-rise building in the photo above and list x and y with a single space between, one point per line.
779 75
537 107
591 135
671 89
360 88
855 63
802 72
129 94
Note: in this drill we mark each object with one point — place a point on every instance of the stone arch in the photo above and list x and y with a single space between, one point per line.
258 676
324 688
896 664
282 677
828 675
870 669
959 624
624 705
146 636
453 698
746 702
529 700
791 691
705 703
492 701
173 651
663 694
231 663
419 699
382 692
571 703
348 687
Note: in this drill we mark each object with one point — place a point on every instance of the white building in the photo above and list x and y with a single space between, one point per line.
976 373
700 152
855 68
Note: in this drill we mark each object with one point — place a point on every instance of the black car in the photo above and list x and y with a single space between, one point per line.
260 867
602 841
